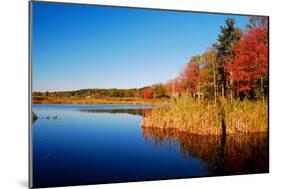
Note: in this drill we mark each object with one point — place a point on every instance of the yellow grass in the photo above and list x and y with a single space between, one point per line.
187 115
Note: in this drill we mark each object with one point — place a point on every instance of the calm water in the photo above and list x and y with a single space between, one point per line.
90 144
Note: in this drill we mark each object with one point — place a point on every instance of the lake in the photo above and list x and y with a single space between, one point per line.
92 144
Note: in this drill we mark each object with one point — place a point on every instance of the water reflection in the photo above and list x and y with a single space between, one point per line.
102 143
141 112
34 117
239 154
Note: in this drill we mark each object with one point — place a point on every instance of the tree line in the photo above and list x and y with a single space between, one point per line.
235 66
149 92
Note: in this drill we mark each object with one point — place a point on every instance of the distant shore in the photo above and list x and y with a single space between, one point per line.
136 101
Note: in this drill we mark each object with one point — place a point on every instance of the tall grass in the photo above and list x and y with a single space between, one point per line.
246 116
188 115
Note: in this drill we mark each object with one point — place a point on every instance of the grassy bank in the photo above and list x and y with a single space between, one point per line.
74 100
187 115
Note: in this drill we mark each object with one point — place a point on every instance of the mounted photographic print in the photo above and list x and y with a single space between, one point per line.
122 94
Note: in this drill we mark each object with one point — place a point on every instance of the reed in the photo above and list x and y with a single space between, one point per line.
206 118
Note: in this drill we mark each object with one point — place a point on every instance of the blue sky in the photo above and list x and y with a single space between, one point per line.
75 47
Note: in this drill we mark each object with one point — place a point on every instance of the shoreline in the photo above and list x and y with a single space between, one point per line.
187 115
104 101
175 130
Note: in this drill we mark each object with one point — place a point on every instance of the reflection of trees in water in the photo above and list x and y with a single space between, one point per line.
238 154
141 112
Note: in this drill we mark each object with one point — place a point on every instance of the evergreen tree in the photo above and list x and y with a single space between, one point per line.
226 42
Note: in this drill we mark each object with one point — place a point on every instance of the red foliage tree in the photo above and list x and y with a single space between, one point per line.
147 93
250 62
191 75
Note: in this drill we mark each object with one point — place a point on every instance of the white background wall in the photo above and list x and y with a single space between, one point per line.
14 92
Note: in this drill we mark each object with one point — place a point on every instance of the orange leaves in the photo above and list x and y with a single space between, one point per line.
251 59
147 93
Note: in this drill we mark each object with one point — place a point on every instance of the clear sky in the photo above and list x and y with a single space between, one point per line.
75 47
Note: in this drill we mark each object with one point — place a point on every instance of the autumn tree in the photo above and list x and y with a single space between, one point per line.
257 22
190 75
175 87
159 90
250 64
147 93
209 74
